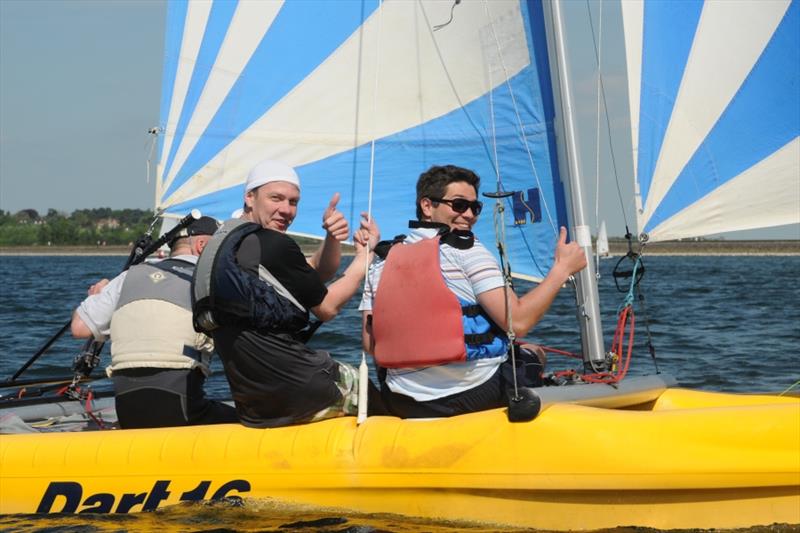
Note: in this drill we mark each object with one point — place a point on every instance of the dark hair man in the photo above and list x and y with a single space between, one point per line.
434 310
254 290
158 362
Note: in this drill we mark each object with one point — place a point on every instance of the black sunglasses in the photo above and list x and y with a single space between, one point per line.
460 205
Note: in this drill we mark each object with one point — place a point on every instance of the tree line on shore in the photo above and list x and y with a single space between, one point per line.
98 226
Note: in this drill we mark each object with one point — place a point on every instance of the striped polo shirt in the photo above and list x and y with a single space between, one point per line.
467 273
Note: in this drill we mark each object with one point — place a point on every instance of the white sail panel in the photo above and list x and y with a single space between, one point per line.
331 110
633 22
766 195
711 80
247 28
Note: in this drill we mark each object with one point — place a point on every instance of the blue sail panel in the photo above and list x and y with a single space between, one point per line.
669 30
176 21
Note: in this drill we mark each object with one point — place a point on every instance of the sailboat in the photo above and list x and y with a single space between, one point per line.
361 97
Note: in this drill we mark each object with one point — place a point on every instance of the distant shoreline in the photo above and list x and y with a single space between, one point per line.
677 248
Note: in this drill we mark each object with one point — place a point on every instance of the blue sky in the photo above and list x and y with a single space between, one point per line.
79 88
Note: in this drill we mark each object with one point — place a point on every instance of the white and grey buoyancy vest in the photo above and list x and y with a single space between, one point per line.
152 325
223 293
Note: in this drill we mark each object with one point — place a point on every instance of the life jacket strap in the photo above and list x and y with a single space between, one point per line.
168 265
471 311
194 353
479 338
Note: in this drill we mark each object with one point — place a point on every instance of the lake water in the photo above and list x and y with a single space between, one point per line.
718 323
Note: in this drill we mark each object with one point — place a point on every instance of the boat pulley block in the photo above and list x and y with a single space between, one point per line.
523 406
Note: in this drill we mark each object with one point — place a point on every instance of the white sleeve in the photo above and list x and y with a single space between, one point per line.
96 310
370 286
481 269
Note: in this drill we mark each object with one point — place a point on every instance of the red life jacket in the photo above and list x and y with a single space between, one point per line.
417 319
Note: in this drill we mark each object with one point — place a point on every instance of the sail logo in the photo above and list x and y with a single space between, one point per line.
524 208
67 496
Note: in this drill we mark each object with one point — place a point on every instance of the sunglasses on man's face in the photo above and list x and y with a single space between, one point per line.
460 205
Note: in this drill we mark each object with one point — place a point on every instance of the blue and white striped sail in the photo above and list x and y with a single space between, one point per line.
715 112
313 83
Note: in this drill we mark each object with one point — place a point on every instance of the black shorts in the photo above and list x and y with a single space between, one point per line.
275 380
161 397
489 395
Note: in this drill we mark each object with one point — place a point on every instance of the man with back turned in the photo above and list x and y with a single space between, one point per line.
158 362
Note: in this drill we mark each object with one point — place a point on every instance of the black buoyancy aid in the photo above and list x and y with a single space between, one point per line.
223 293
418 321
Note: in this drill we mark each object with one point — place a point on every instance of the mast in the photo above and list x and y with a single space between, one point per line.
588 300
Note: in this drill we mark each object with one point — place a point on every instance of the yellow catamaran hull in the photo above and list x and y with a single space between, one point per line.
688 460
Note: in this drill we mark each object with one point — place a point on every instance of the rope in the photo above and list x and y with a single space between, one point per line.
621 362
500 236
793 385
621 357
627 301
75 393
597 129
496 159
561 352
363 369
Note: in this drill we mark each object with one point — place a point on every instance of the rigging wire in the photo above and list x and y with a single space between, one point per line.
523 136
650 346
500 232
608 124
500 229
450 81
597 127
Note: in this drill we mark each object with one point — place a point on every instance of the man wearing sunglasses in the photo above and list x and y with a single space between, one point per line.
434 305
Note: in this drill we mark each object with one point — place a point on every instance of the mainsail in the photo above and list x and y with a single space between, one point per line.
715 112
314 83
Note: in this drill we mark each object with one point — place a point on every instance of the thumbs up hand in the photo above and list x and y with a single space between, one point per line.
569 256
333 221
